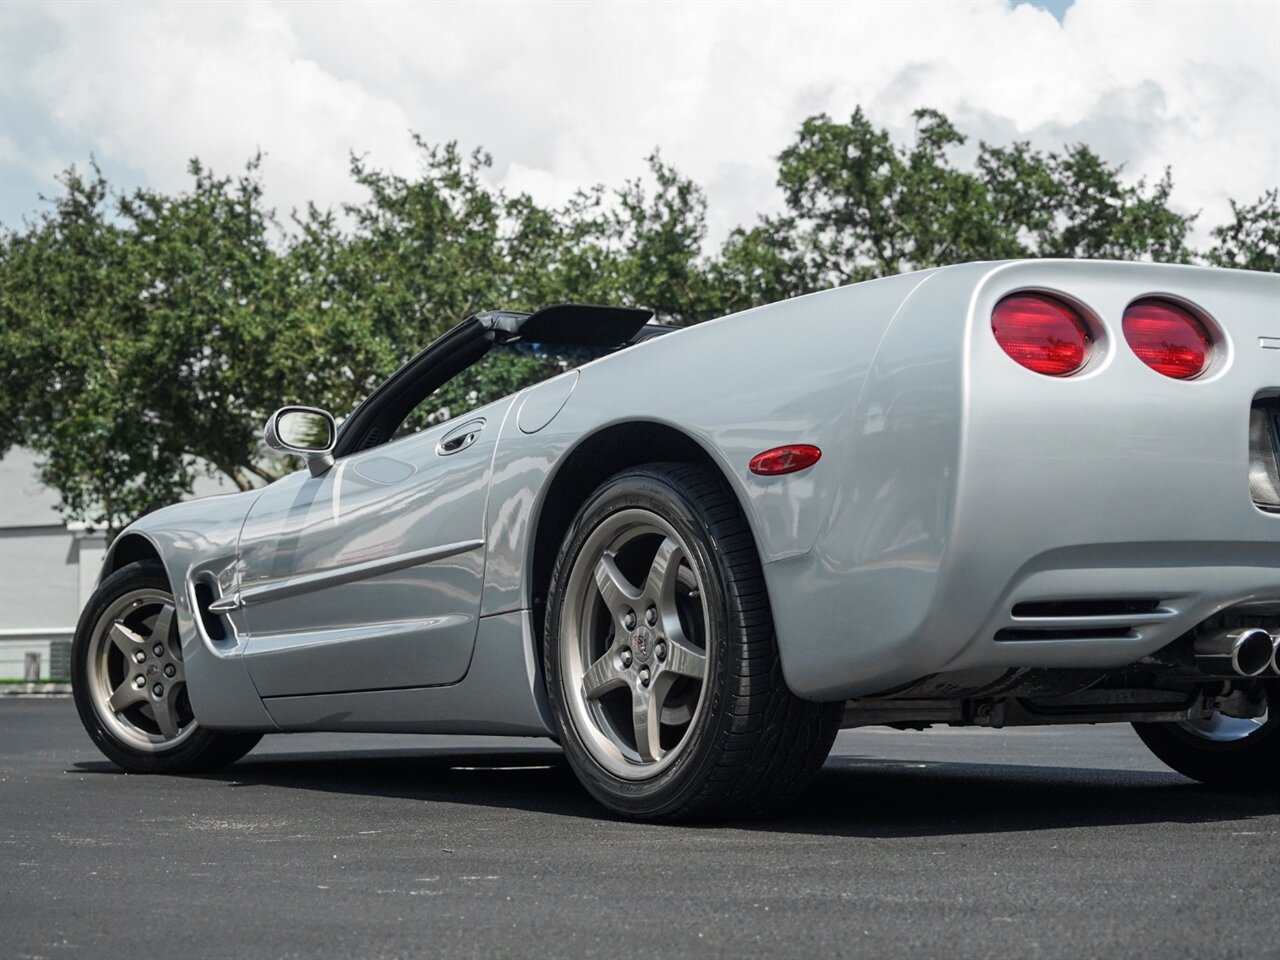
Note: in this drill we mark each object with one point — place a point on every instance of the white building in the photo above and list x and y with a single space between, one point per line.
48 569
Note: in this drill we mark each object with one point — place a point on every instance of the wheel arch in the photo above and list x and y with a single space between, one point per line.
129 547
584 468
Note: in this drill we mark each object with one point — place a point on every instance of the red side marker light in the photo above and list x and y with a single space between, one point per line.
1168 338
788 459
1042 333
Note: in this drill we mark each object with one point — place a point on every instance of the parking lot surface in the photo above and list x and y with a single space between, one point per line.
1052 842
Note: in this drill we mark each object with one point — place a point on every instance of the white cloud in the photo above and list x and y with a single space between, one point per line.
565 95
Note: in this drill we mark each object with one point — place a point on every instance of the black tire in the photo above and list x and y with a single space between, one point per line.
1251 761
752 745
197 749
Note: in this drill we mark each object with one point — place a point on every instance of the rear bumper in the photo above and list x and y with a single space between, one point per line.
995 487
859 649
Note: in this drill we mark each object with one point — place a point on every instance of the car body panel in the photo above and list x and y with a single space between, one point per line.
733 400
953 485
1117 482
197 542
369 577
540 403
500 695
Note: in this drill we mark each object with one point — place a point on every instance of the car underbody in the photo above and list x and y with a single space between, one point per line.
1222 668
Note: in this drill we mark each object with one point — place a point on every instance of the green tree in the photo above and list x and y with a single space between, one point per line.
1251 241
146 337
637 246
1097 216
365 291
761 264
131 338
860 206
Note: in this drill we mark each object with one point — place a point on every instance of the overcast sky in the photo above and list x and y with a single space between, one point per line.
568 94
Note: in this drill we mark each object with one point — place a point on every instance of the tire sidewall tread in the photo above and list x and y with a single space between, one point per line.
754 743
202 750
1252 761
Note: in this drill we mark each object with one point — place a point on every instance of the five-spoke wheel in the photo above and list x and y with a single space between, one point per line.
636 642
136 679
660 660
130 681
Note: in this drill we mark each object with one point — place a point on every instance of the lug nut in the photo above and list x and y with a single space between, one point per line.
139 656
626 657
158 649
660 650
644 676
651 616
169 670
139 682
158 689
629 621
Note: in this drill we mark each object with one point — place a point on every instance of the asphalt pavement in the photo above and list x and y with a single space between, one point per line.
1050 842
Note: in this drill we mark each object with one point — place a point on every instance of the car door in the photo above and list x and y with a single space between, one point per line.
369 576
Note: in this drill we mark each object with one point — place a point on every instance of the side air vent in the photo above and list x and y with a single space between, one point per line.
214 627
1055 609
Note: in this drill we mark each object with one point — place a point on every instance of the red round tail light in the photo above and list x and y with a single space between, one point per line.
1042 334
1168 338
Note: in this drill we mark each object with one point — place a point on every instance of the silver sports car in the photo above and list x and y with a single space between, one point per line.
999 494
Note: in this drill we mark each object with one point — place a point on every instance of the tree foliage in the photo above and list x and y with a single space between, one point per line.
1251 241
146 336
861 206
132 339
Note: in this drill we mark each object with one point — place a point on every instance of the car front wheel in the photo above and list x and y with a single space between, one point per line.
130 682
660 659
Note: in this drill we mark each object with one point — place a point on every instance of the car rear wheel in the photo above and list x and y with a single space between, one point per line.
1221 750
660 659
130 684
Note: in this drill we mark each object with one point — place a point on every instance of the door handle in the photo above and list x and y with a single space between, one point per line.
459 439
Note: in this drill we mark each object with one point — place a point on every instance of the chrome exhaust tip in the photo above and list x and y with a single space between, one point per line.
1275 655
1244 652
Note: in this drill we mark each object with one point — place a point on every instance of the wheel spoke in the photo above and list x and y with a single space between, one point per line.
126 641
166 711
684 659
660 586
164 623
126 695
617 591
646 714
661 582
602 676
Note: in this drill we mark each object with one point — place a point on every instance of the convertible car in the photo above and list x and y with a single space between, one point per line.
1002 494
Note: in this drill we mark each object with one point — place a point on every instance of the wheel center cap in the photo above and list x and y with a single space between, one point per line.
642 644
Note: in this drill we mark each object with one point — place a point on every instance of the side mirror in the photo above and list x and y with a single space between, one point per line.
305 431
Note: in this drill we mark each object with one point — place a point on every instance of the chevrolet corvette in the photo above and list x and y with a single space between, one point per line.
993 494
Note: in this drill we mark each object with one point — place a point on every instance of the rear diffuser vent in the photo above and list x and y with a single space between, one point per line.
1055 609
1009 635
